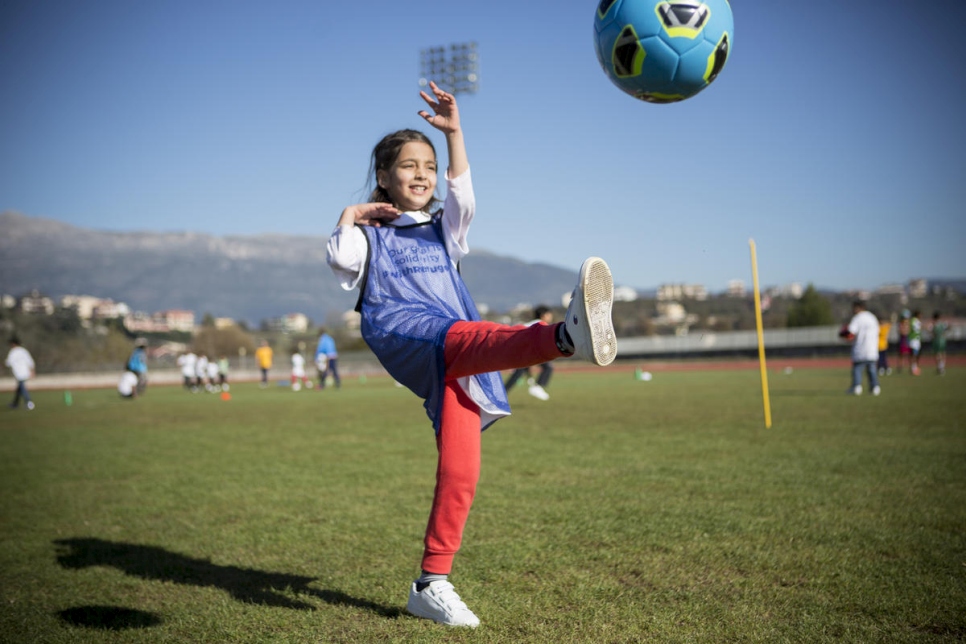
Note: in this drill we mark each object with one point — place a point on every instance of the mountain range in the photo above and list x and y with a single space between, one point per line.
249 278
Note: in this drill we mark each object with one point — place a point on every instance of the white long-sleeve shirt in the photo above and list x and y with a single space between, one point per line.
347 250
21 363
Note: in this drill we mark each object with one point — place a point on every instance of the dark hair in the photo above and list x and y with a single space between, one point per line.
859 304
540 311
385 154
936 315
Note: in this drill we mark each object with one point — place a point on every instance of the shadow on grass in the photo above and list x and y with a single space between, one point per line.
110 618
244 584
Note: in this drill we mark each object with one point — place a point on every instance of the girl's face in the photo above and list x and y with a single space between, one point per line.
411 180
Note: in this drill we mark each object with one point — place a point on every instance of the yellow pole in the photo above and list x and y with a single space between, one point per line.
761 337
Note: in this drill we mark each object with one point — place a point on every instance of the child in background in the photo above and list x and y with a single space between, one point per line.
884 327
21 364
299 378
939 329
327 359
915 341
537 388
127 386
201 372
187 362
223 367
422 324
263 357
905 353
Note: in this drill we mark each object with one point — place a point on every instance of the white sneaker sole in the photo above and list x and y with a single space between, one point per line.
597 341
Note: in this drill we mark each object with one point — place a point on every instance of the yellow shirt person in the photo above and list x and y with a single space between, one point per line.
263 356
884 328
883 365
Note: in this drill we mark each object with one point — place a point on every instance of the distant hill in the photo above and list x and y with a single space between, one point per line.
249 278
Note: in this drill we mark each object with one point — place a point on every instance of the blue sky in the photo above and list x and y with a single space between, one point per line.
834 137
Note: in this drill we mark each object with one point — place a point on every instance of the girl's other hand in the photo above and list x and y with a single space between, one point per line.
369 214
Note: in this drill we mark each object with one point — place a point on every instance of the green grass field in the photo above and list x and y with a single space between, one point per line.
619 511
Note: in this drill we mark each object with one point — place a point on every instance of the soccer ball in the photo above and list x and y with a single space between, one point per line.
663 51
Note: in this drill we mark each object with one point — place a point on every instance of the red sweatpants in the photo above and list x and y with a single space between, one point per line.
471 348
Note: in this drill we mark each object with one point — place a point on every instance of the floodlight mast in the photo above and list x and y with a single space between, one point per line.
455 69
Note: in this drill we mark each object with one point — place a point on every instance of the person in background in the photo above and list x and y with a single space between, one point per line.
883 366
137 363
299 379
939 329
212 385
263 357
128 385
223 366
915 341
187 361
201 371
327 360
905 353
538 389
863 332
21 363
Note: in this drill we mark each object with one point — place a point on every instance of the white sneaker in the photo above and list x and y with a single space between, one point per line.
30 405
855 391
876 390
588 321
440 603
539 392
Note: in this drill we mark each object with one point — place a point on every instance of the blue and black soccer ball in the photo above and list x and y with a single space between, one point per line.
663 51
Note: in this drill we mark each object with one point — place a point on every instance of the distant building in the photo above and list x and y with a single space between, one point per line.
521 312
736 288
793 290
673 292
109 309
891 289
176 319
36 303
84 305
918 288
290 323
8 301
141 322
624 294
160 322
671 312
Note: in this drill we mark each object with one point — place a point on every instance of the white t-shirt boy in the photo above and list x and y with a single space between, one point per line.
865 327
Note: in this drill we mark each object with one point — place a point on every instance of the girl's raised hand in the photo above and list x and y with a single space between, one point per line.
445 117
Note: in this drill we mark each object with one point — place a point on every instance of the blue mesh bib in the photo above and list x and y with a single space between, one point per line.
410 296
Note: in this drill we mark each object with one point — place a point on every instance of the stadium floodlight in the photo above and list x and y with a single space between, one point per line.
455 69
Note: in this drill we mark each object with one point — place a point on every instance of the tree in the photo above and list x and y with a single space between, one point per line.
222 342
812 309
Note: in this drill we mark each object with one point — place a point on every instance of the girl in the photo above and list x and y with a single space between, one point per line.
420 321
